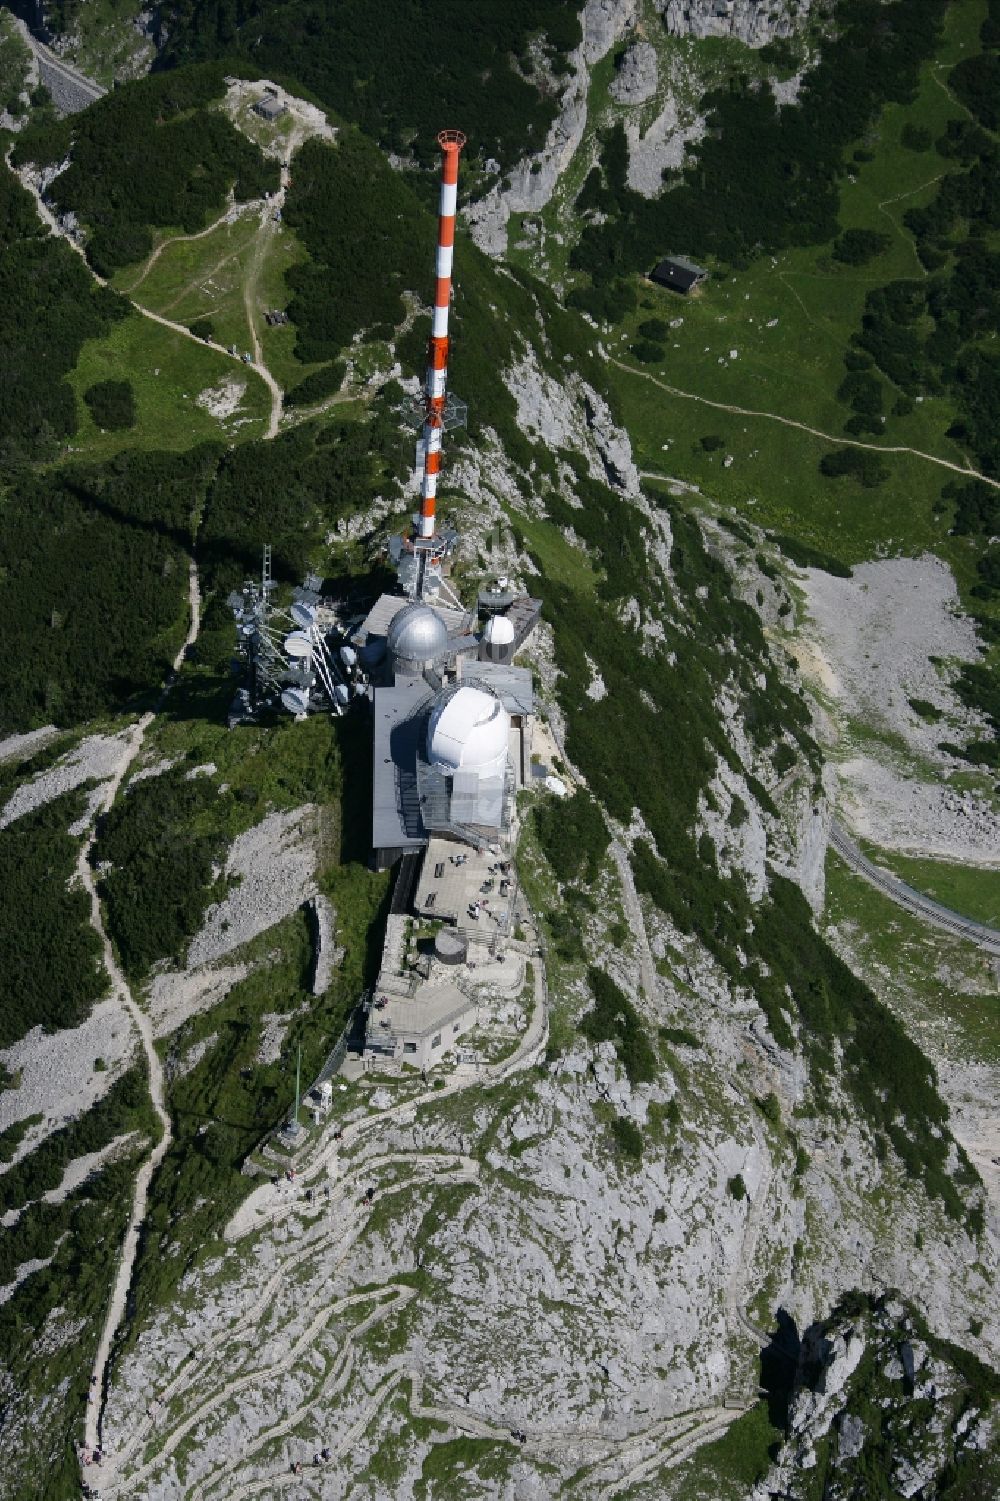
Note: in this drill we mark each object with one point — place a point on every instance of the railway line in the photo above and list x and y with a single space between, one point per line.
913 901
71 90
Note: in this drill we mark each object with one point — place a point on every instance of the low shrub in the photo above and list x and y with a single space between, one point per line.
628 1137
112 404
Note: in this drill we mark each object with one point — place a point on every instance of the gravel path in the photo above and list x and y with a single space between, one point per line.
838 438
26 177
265 234
225 218
141 1022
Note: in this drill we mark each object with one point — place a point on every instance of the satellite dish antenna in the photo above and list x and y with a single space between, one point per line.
342 694
295 700
298 644
248 630
348 656
303 615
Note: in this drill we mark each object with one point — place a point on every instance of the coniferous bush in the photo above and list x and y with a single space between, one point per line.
112 404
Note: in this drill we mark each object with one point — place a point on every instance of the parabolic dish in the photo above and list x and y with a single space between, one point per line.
303 615
248 630
298 644
295 700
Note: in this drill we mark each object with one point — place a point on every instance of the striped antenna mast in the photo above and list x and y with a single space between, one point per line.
435 386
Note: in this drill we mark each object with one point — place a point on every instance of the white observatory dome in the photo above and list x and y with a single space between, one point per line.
417 634
468 731
499 631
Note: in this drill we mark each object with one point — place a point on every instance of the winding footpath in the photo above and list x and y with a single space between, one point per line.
272 1203
803 427
120 989
172 240
268 227
258 367
133 744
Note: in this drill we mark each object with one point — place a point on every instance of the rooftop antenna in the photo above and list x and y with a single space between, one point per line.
290 652
294 1123
439 411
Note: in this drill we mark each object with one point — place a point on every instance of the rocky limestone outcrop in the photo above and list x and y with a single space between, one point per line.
325 957
604 23
754 22
635 80
875 1393
533 180
662 147
14 34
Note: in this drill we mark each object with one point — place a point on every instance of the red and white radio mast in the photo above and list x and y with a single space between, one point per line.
435 386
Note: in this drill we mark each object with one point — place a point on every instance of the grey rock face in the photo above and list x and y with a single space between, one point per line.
852 1437
852 1366
754 22
635 80
533 180
662 146
604 21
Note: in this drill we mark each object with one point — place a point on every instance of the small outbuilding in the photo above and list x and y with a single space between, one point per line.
270 108
418 1030
678 274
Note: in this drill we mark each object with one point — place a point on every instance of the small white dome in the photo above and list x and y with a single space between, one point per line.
417 634
468 730
499 631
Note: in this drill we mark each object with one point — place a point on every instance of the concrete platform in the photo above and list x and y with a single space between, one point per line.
448 895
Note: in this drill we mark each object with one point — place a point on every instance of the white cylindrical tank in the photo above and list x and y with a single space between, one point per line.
498 639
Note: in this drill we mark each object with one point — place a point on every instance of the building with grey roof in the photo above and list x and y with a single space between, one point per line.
451 738
418 1029
270 108
678 274
400 717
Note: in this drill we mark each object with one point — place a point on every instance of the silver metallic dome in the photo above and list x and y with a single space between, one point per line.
417 635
